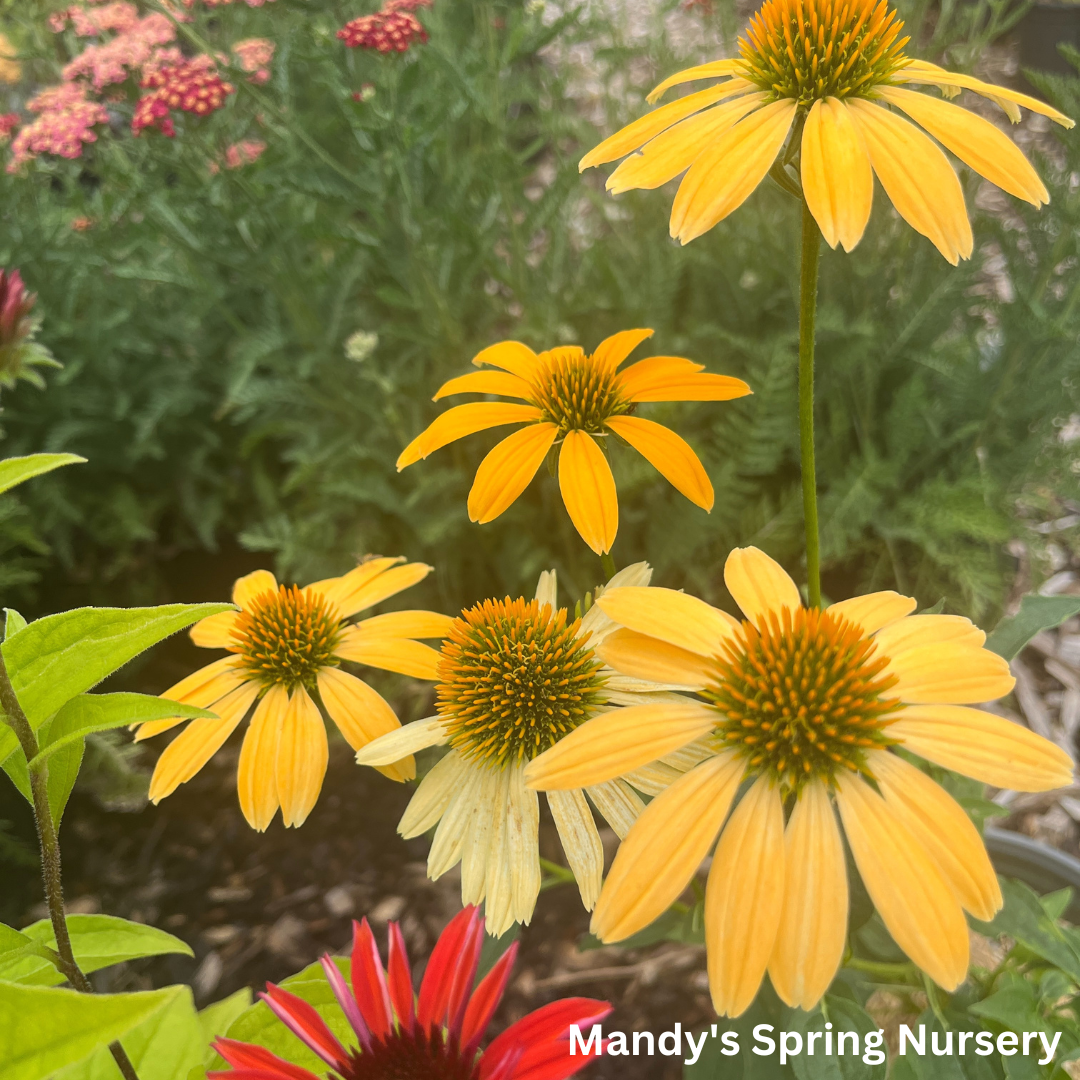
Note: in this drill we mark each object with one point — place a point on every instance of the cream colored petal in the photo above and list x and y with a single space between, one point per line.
433 796
499 882
215 631
645 657
744 898
675 617
403 655
547 590
302 754
813 922
580 841
691 754
626 690
253 585
457 820
938 822
523 833
256 780
949 674
595 621
487 817
382 587
654 778
616 743
875 610
405 624
664 849
405 740
918 630
714 69
911 896
619 805
759 585
983 746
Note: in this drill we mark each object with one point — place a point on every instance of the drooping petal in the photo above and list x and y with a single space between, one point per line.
433 796
250 586
983 746
523 845
813 922
442 967
306 1024
346 999
875 610
338 589
911 896
938 822
508 469
381 587
399 979
485 1000
406 624
403 741
464 420
302 755
837 180
215 631
588 491
369 981
362 715
671 378
403 655
619 805
545 1032
203 687
486 817
665 847
256 779
511 356
744 898
723 177
668 453
950 674
646 657
975 141
612 351
918 630
486 382
245 1057
715 69
675 617
617 742
918 179
759 585
580 841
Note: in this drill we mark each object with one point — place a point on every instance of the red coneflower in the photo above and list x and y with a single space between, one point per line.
433 1036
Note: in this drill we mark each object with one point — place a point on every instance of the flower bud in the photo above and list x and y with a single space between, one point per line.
19 353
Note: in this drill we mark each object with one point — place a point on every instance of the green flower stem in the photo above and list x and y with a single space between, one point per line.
608 564
50 853
808 283
555 875
908 974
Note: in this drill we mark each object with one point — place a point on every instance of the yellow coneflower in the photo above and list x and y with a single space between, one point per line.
824 82
286 646
515 678
576 399
809 706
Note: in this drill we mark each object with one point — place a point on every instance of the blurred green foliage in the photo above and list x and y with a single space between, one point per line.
203 322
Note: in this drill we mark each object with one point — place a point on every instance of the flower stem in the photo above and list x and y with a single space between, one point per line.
608 563
881 970
808 283
50 853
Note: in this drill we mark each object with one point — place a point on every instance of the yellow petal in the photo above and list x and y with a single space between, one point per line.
508 469
949 674
302 754
382 587
813 922
668 453
665 846
406 624
337 589
403 741
676 149
675 617
983 746
644 373
759 585
588 491
511 356
712 70
580 842
199 742
744 898
723 177
618 742
486 382
256 780
612 351
923 72
938 822
911 896
919 630
403 655
975 141
645 657
252 585
201 689
670 378
837 180
215 631
875 610
464 420
917 177
362 715
433 796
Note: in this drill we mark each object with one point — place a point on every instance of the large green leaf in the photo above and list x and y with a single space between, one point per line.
16 470
215 1020
13 622
165 1046
43 1030
97 941
1036 613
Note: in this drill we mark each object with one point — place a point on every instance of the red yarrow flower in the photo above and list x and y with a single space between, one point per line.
393 29
189 85
431 1036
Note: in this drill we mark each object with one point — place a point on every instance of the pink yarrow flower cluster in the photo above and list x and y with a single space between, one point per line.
222 3
64 124
254 55
192 86
118 16
242 153
8 123
392 29
125 54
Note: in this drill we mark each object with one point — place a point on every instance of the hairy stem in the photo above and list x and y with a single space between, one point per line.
50 853
808 285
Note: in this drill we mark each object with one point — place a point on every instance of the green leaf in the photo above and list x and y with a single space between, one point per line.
1036 613
216 1019
1013 1006
935 609
165 1046
844 1015
97 941
12 939
1055 904
63 772
16 470
13 622
43 1030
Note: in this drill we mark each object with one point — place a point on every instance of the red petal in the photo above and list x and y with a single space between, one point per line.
438 978
399 977
262 1074
486 1000
550 1024
465 976
245 1058
347 1000
306 1024
369 981
551 1061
